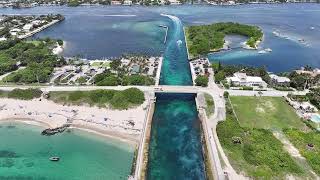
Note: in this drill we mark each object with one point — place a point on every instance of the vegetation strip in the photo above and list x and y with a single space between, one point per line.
102 98
308 144
23 94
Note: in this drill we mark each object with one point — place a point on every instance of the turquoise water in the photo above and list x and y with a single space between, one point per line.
175 150
315 118
24 155
175 147
175 69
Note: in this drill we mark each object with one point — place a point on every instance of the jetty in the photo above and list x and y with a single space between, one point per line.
165 37
53 131
61 129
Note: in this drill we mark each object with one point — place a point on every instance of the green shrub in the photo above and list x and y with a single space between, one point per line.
25 94
202 81
134 95
103 98
119 101
246 88
225 94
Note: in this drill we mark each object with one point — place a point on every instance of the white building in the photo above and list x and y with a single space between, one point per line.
27 27
15 31
127 2
241 79
279 80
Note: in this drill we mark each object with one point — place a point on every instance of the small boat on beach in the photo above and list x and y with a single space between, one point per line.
54 159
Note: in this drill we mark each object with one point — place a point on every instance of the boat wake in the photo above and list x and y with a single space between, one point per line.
116 15
292 38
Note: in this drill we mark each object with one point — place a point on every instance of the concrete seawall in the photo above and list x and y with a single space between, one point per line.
39 29
185 39
143 150
212 161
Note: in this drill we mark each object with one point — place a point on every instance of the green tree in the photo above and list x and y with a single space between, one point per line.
202 81
220 76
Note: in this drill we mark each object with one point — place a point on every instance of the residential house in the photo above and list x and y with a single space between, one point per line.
241 79
279 80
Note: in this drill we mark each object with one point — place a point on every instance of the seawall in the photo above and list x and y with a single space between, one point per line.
143 149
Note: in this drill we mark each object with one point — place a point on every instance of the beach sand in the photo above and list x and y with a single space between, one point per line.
125 125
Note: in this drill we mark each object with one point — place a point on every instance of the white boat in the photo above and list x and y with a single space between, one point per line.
262 52
268 50
54 159
312 28
276 33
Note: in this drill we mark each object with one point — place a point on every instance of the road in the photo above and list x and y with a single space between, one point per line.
214 90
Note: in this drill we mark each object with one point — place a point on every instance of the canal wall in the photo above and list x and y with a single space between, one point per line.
159 72
143 149
213 169
185 39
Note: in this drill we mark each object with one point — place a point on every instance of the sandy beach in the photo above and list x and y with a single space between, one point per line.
125 125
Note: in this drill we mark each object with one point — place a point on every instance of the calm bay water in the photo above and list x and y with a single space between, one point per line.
94 32
24 154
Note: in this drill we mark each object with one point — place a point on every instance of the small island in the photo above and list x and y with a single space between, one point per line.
210 38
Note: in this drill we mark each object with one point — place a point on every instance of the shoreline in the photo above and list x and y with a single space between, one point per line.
91 130
123 125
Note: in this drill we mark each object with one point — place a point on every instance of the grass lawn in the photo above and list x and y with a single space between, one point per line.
106 64
34 42
97 64
265 113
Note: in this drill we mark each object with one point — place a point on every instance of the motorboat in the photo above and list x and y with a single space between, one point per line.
54 159
268 50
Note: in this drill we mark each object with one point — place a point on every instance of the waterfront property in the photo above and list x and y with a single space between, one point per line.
25 26
241 79
128 70
279 80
